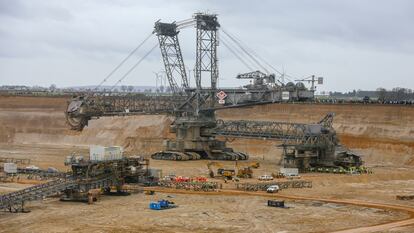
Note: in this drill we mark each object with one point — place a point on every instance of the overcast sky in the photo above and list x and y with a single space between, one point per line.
352 44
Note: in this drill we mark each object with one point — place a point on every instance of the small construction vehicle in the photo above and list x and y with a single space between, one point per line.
227 174
149 192
162 205
278 175
246 172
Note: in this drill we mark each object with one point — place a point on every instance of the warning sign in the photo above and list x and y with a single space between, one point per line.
285 95
221 95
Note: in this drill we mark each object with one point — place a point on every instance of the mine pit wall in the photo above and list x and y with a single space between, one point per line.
41 120
382 133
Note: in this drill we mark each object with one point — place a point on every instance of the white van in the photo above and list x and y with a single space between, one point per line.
273 189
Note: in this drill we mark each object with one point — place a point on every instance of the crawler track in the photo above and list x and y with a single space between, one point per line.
376 228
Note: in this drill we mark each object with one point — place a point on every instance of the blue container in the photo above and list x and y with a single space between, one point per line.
155 206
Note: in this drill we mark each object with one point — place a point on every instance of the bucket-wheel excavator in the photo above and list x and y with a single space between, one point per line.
195 125
193 107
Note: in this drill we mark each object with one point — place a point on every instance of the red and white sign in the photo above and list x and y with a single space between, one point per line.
221 95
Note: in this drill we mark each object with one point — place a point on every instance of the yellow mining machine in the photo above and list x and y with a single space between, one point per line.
245 172
221 171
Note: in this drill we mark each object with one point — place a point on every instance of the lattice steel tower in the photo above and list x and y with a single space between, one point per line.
171 55
206 55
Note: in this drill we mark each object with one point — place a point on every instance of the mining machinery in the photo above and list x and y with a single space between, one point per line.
85 175
304 145
195 125
226 173
193 107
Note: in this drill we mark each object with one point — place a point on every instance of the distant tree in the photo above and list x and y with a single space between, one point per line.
130 88
52 88
381 93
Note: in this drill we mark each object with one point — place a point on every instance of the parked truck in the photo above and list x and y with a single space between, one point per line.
162 205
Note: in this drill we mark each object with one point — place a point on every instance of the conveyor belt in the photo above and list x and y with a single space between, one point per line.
41 173
14 201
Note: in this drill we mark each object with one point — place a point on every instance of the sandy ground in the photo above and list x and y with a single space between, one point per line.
193 214
213 214
34 128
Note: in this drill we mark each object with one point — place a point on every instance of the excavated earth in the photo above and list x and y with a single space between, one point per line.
34 128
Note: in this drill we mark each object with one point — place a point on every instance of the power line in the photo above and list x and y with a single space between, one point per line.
122 62
133 67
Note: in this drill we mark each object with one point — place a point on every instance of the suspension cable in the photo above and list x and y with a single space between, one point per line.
261 58
185 23
254 53
134 66
122 62
241 53
235 54
244 50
